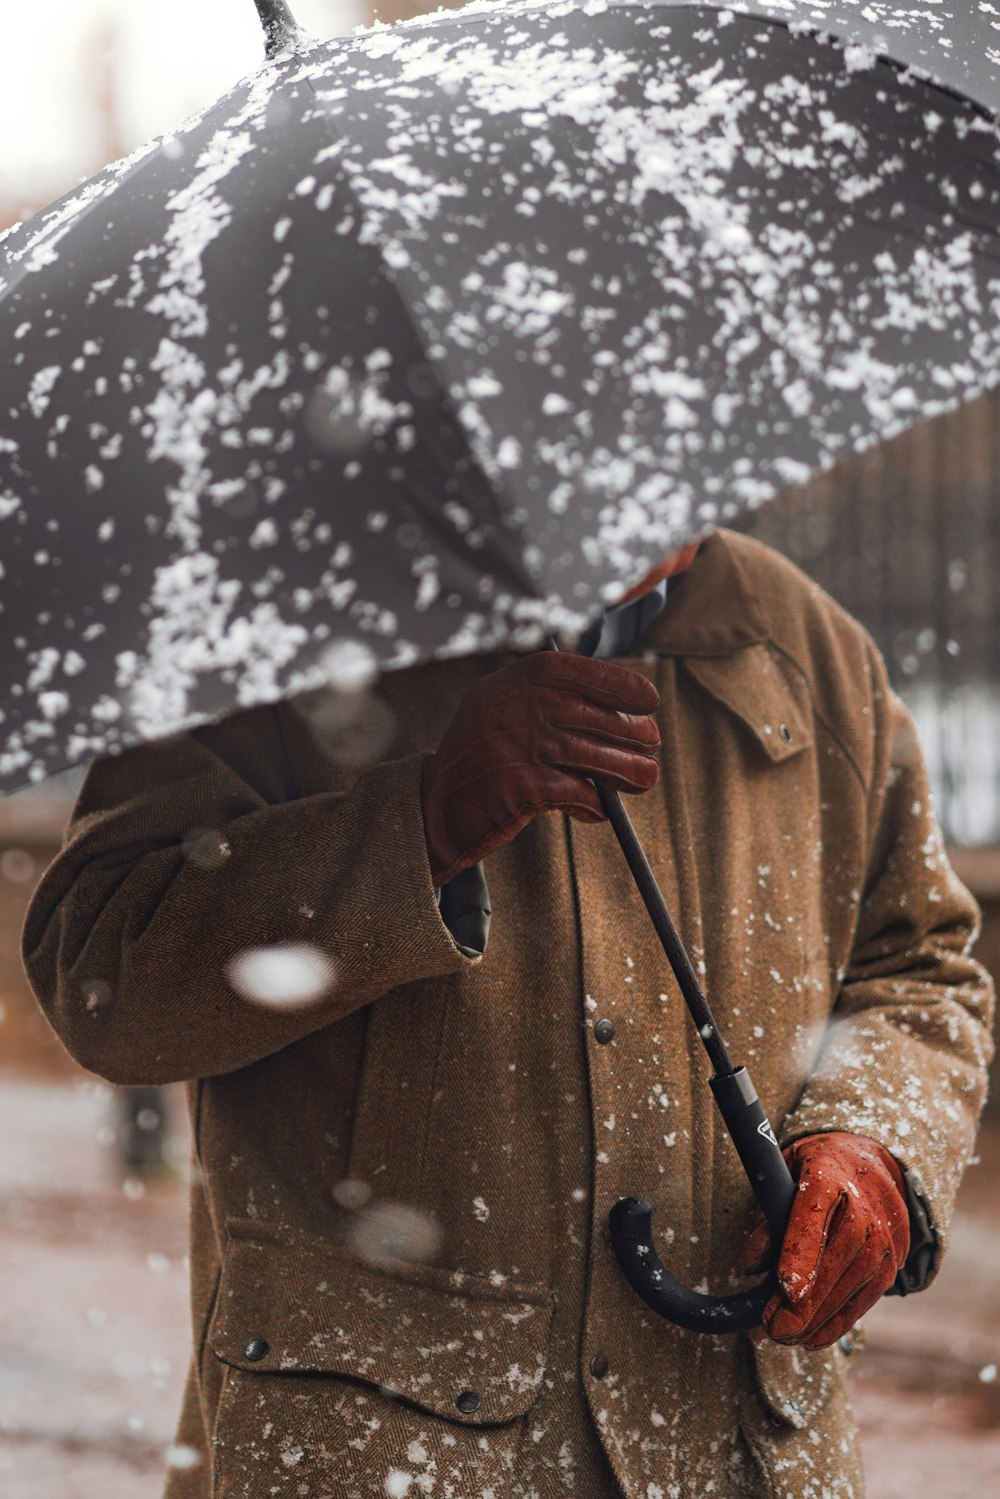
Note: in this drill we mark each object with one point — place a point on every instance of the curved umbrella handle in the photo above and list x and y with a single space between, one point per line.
632 1241
774 1187
748 1125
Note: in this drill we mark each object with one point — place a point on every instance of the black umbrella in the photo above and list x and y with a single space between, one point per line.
429 340
434 337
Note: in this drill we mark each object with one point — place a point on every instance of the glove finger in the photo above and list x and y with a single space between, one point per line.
573 794
774 1306
817 1206
796 1323
603 682
862 1301
628 770
848 1238
579 717
866 1226
865 1268
757 1253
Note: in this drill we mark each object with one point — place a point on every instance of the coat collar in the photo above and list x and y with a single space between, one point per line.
712 607
715 619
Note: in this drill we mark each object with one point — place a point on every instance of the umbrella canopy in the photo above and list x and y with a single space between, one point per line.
432 339
952 43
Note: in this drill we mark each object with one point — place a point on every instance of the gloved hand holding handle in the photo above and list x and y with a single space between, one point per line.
530 738
847 1238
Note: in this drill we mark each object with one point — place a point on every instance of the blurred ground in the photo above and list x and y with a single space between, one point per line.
927 1388
94 1334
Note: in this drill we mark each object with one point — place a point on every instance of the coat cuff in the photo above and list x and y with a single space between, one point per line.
415 929
924 1251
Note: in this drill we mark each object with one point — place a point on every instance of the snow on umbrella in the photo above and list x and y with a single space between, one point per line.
435 337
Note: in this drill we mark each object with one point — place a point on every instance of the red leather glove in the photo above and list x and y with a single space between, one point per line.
847 1239
528 739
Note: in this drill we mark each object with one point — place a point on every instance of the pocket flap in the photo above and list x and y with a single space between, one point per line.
297 1303
752 685
794 1383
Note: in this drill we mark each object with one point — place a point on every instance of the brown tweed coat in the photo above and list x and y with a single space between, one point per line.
402 1282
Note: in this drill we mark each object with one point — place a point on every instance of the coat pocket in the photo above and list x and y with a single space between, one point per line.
792 1384
797 1422
352 1380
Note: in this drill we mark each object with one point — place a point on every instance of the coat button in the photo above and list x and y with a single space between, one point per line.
599 1366
257 1349
785 733
468 1402
604 1032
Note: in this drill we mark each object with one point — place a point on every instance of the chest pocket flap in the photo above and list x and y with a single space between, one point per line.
773 702
424 1334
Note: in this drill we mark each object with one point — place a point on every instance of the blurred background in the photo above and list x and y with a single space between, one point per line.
94 1334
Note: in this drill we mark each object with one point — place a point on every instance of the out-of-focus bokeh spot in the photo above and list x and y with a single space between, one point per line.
287 976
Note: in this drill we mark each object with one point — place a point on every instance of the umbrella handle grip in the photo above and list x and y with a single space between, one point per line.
774 1187
757 1147
631 1224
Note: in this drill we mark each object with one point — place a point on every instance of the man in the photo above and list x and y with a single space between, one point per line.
402 1279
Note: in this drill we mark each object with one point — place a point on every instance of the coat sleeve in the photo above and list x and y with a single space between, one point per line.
904 1060
182 855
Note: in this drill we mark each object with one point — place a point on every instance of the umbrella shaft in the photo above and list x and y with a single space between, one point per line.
280 26
669 937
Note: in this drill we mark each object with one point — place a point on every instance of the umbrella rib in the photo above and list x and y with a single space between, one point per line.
517 576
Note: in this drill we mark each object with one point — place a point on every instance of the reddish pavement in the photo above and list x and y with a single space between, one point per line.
94 1335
